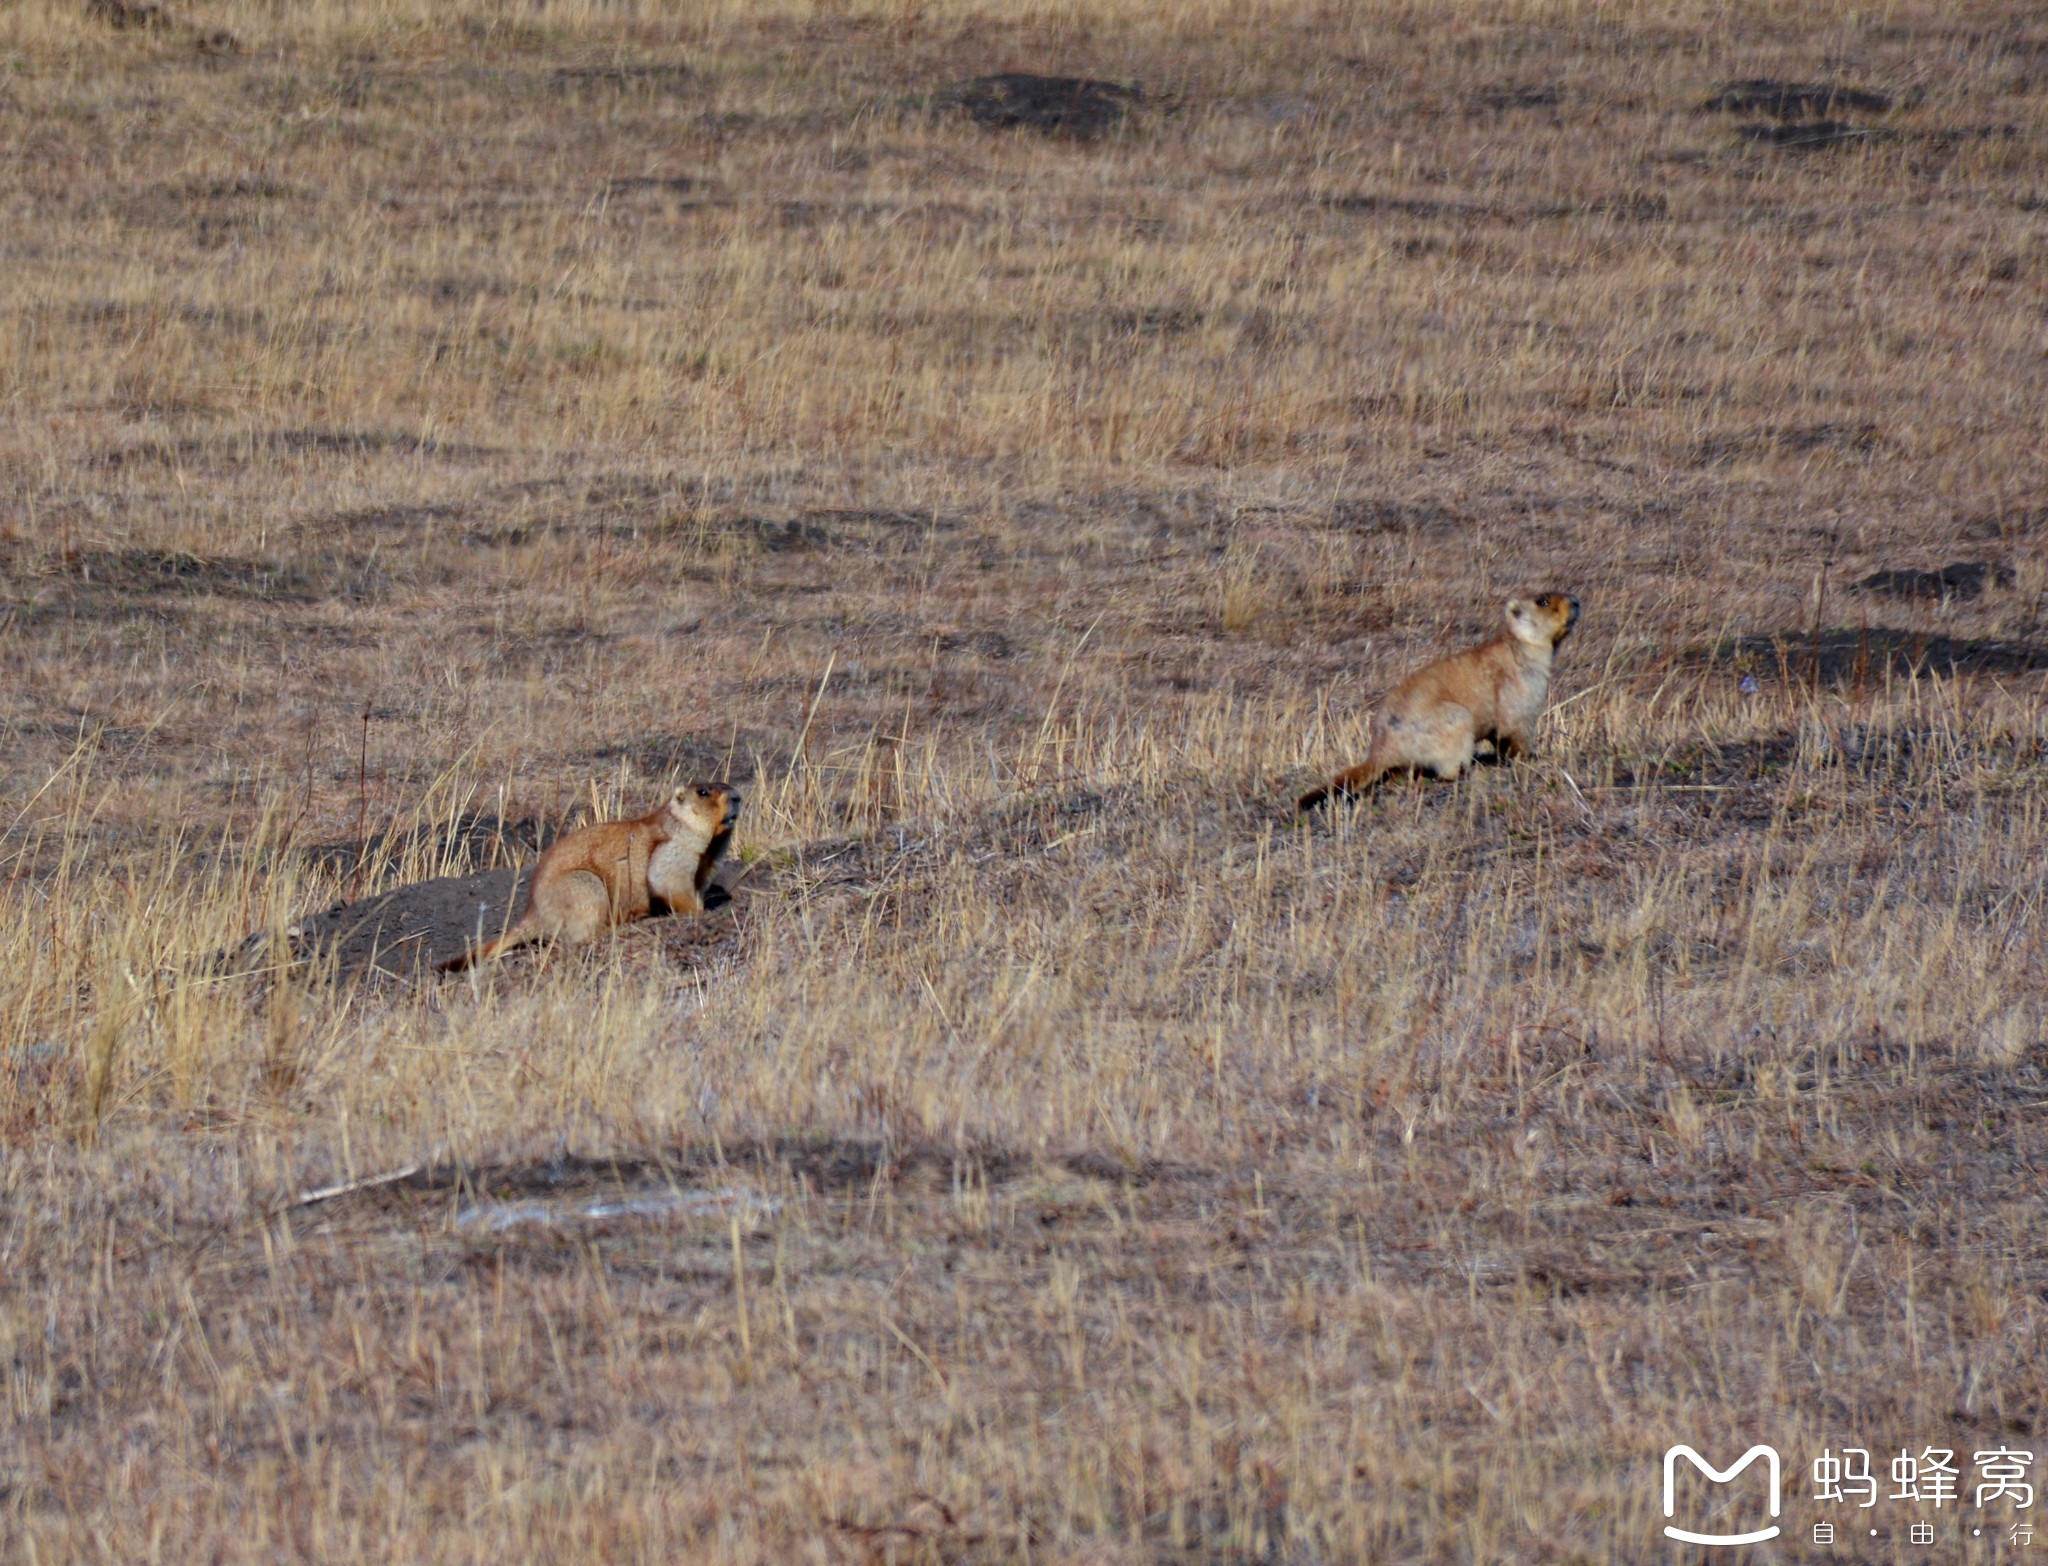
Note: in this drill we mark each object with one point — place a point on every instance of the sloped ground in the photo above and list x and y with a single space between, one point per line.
429 428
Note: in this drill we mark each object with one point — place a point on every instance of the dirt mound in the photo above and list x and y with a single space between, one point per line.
1075 106
410 929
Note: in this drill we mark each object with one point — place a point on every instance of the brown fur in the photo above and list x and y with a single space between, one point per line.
1435 719
618 871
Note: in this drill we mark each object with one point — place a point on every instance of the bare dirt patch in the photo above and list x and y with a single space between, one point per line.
1814 135
1841 654
1070 106
409 931
1794 100
1958 579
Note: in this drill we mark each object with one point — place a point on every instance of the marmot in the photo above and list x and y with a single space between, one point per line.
617 871
1435 719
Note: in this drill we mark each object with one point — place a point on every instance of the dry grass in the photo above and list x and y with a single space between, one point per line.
414 411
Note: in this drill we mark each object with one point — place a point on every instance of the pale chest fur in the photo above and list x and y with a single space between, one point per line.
1522 693
672 871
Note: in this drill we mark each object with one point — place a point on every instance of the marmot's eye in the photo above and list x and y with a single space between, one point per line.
703 793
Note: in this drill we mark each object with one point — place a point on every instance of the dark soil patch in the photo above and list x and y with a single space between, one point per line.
1815 437
635 527
1844 657
672 184
355 443
1886 757
234 190
1395 516
767 535
993 645
1632 206
1958 579
544 642
1408 206
1152 321
1077 107
1793 100
621 78
822 1166
1788 440
778 538
883 521
145 571
83 582
1642 206
1507 96
316 442
1812 135
1963 135
1729 765
382 519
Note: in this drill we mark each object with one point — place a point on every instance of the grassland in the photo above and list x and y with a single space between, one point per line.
419 416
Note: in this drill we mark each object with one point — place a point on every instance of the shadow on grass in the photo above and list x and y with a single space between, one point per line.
820 1164
1841 657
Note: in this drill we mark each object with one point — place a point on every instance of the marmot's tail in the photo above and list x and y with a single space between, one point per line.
484 953
1346 784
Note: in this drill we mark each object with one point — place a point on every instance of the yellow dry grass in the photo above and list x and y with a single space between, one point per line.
417 413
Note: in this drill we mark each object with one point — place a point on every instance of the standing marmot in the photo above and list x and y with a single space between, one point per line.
617 871
1436 717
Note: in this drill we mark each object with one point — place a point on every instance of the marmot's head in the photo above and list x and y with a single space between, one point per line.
1542 621
703 810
